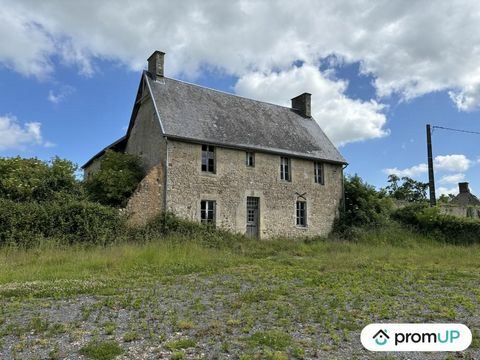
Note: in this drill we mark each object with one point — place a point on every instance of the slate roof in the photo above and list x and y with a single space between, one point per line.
118 145
199 114
194 113
465 199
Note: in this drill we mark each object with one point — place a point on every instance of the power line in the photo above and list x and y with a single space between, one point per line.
457 130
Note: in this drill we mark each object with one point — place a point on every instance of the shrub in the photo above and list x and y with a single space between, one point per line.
169 224
430 221
68 220
117 179
364 206
36 180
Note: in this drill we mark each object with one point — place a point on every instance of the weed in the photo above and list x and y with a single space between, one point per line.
131 336
98 350
180 344
274 339
177 355
109 328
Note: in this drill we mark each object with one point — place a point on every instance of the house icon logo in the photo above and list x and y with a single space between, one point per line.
381 337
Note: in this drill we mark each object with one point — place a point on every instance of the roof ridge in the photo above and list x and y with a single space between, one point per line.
228 93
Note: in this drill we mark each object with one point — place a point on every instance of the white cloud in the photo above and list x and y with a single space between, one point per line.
452 163
56 97
343 119
15 135
411 172
446 191
452 179
441 163
410 50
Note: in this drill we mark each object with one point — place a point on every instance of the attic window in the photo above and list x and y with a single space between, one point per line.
285 173
250 159
208 158
319 173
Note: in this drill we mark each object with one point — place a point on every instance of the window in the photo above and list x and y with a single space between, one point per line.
208 158
207 212
319 173
301 213
250 159
285 169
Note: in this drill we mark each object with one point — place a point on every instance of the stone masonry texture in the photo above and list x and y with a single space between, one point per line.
233 182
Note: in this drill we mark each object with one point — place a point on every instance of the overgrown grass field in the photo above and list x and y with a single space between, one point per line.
176 297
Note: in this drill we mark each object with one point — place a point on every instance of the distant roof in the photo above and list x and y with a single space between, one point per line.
193 112
118 145
465 199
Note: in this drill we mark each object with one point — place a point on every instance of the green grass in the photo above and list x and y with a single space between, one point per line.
87 269
322 290
180 344
97 350
277 340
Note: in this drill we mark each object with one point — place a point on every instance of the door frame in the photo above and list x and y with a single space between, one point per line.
248 232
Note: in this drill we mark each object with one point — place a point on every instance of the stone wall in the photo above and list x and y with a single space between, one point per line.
148 199
146 139
233 182
460 211
92 168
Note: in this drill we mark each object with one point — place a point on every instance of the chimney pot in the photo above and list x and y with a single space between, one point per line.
155 64
463 187
303 104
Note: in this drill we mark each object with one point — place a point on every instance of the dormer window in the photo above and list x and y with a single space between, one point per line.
208 158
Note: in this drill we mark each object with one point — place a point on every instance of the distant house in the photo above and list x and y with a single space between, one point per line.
465 204
240 164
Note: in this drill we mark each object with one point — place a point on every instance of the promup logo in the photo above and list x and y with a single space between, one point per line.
381 337
416 337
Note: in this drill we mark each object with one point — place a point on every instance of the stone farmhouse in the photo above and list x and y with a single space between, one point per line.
240 164
465 204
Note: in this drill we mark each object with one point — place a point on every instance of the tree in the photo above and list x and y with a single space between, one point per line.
410 190
36 180
117 179
444 199
364 205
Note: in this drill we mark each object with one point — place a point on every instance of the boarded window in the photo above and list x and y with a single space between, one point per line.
301 213
285 172
207 211
250 159
208 158
319 173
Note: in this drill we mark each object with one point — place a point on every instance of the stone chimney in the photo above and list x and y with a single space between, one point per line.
463 187
303 104
155 64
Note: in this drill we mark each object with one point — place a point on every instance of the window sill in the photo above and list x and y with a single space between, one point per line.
302 227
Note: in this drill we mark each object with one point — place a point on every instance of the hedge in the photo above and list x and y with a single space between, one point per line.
451 229
67 220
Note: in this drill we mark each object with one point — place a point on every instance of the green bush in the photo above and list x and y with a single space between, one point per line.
364 206
68 220
117 179
168 224
430 221
36 180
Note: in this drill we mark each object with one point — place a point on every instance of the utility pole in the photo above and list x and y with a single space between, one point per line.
431 180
